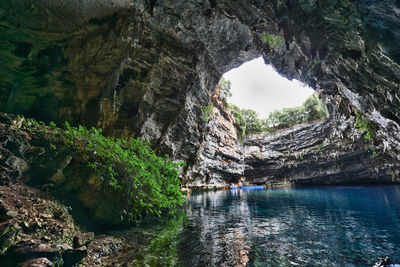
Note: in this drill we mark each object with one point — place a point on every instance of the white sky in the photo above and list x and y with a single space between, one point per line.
259 87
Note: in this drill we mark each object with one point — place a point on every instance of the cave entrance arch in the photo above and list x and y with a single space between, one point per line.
258 86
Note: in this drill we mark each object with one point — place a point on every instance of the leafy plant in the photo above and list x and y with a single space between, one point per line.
364 126
207 110
311 67
273 41
374 151
319 147
148 183
224 87
151 183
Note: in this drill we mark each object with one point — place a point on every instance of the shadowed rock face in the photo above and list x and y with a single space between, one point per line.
145 68
319 153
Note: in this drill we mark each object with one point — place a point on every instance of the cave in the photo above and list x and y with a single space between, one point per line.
115 67
147 69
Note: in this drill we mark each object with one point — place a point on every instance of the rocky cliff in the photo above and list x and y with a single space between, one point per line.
220 158
319 153
146 68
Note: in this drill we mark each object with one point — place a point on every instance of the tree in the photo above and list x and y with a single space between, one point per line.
248 121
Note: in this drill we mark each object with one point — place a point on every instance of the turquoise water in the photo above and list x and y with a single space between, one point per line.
331 226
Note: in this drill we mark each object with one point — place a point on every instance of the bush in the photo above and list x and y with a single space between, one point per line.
312 109
224 87
364 126
207 110
150 184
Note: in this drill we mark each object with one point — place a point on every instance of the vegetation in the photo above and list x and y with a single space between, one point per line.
364 126
311 67
248 121
273 41
207 110
224 87
149 183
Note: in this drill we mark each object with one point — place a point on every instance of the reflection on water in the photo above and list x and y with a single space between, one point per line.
332 226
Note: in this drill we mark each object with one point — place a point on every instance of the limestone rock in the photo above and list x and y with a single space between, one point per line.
136 69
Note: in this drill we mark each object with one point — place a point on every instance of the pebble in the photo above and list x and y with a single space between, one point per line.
16 226
12 213
47 216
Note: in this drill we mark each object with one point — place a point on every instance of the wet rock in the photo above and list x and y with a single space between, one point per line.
39 262
383 262
12 213
8 235
103 247
82 239
27 251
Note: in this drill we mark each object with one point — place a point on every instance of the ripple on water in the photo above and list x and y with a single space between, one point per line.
329 226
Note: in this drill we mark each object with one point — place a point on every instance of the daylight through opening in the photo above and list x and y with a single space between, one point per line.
263 100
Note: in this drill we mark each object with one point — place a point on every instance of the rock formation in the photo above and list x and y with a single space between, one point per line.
318 153
145 68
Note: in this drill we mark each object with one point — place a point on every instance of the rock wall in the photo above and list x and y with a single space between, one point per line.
220 158
146 68
319 153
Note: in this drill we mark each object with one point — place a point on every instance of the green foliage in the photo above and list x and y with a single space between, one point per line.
312 109
149 183
319 147
373 150
247 121
273 41
364 126
224 87
207 110
311 67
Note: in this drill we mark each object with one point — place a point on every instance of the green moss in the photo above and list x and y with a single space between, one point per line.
364 126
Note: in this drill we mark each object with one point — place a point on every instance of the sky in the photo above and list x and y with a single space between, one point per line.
259 87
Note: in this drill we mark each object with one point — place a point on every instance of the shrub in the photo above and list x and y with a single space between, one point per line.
273 41
364 126
224 87
207 110
150 184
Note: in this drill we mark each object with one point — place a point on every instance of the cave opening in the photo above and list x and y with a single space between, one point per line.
262 100
258 86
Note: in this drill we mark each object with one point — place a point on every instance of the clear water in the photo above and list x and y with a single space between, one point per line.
331 226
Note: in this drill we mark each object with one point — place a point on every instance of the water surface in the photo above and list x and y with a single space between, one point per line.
329 226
